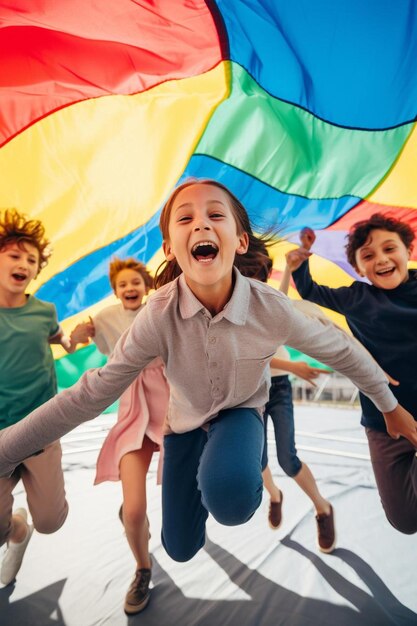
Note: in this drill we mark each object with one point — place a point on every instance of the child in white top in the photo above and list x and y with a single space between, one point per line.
216 331
127 451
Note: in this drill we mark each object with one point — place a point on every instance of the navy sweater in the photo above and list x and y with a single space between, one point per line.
385 322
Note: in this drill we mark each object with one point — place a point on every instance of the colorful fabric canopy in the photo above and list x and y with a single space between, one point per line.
305 110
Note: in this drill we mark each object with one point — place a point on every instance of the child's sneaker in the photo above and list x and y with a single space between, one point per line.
138 595
13 556
326 534
275 513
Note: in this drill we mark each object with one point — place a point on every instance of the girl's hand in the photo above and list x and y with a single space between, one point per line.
295 258
400 423
307 237
306 372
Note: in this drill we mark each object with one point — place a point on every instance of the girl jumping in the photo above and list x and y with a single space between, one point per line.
216 332
127 451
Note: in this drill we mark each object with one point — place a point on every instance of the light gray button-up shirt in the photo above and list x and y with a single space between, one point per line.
212 363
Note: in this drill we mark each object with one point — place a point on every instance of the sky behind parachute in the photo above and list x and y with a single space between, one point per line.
306 111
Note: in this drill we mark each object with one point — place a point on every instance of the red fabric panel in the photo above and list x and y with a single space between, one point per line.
364 210
57 53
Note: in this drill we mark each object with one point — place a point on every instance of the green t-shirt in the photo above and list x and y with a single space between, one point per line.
27 372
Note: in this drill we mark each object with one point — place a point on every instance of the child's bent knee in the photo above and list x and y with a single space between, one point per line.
234 513
407 527
49 525
180 551
233 501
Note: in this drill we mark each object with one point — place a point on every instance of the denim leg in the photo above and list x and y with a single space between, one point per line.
183 514
230 473
281 410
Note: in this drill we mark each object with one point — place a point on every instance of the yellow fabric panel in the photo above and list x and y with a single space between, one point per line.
399 188
85 170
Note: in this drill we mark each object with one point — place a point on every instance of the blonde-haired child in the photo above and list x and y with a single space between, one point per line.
127 451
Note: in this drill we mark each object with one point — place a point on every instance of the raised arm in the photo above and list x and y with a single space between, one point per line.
61 339
298 265
299 368
285 280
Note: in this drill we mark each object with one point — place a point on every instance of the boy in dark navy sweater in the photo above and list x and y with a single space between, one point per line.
383 317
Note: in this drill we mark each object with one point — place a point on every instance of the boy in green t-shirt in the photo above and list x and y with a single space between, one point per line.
27 379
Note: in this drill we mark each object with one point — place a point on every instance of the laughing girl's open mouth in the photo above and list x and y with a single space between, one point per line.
204 251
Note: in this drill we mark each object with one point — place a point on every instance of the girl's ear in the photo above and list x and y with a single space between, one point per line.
166 247
243 244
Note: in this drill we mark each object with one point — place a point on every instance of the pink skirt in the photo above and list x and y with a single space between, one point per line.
142 411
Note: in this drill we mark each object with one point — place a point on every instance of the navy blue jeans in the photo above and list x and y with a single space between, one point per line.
281 410
218 471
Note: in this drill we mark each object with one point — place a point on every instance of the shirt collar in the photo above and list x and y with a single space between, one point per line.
236 310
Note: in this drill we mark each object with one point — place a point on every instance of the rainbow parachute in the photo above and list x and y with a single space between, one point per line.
304 109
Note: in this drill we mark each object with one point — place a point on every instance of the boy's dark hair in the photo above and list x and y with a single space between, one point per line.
360 231
249 264
117 265
16 228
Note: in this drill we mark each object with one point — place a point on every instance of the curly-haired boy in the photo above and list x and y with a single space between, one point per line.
27 379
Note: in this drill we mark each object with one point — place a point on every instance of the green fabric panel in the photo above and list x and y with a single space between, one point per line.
70 367
295 355
294 151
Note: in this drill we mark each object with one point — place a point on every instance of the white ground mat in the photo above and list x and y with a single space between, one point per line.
246 576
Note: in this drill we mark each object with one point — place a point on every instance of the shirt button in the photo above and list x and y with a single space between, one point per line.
214 364
212 340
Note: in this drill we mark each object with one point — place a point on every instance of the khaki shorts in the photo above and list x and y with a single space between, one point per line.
43 480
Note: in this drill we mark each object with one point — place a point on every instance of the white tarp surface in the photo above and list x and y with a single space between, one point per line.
246 576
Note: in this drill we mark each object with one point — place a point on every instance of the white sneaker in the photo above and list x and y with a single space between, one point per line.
13 556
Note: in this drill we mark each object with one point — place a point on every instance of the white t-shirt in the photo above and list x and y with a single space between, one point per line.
110 324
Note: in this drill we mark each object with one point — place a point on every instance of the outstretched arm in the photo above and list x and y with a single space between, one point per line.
330 345
95 391
297 262
285 280
61 339
295 258
83 332
299 368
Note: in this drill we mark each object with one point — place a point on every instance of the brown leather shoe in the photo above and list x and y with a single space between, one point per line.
326 534
138 594
275 513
